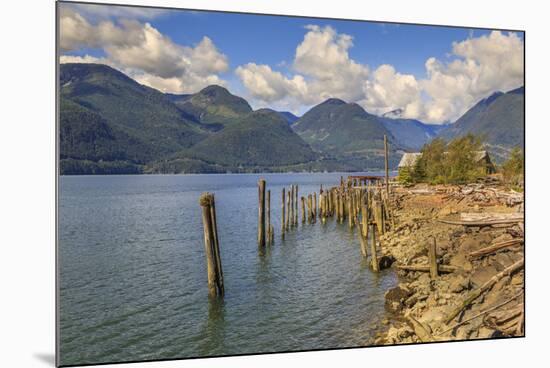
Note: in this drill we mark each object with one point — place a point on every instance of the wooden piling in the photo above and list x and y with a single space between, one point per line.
350 211
309 204
323 200
364 220
314 208
432 259
216 242
364 244
261 213
374 257
288 210
283 214
269 227
296 205
378 216
291 214
303 210
342 213
330 202
213 261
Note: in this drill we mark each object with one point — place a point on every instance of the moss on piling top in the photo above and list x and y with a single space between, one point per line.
206 199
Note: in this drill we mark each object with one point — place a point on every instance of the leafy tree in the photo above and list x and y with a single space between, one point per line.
453 162
512 170
460 159
431 165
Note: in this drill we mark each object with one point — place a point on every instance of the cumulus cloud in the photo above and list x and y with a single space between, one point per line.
323 68
142 51
268 85
388 90
482 65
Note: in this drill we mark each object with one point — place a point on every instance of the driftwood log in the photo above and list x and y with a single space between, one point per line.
499 305
481 223
494 247
483 288
426 268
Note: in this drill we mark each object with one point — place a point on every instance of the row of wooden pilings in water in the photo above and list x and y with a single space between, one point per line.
357 202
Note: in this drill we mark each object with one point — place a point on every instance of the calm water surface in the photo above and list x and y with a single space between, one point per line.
133 272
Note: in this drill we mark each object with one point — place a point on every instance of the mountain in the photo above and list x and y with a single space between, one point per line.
288 116
139 115
345 131
260 138
410 133
214 106
499 118
111 124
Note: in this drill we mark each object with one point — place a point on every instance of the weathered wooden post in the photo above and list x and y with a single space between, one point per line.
309 209
364 219
341 207
374 257
216 242
283 214
261 212
378 216
296 205
322 198
386 166
432 258
269 227
364 245
330 202
350 211
291 214
213 261
314 212
288 210
303 210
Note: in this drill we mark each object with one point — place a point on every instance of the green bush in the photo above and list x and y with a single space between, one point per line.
449 163
512 170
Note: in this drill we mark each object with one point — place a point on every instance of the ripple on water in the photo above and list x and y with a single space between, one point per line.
133 278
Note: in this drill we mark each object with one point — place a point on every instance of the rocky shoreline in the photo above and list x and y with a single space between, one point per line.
479 291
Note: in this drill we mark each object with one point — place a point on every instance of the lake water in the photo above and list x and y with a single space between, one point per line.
132 272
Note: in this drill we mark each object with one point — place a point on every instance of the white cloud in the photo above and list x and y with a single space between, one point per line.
63 59
388 90
482 65
141 51
268 85
323 68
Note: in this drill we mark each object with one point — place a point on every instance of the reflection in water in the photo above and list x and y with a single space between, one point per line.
214 327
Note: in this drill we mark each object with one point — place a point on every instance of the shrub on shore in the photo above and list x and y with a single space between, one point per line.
512 169
454 162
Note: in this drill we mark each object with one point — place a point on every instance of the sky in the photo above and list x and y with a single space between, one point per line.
430 73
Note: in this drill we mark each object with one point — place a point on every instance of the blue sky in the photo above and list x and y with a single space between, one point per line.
271 42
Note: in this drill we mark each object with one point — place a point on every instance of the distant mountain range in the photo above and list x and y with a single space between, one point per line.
411 133
499 118
110 124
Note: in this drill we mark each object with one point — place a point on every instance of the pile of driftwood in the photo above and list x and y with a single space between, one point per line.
486 219
482 194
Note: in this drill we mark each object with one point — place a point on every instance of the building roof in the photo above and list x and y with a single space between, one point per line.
409 159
